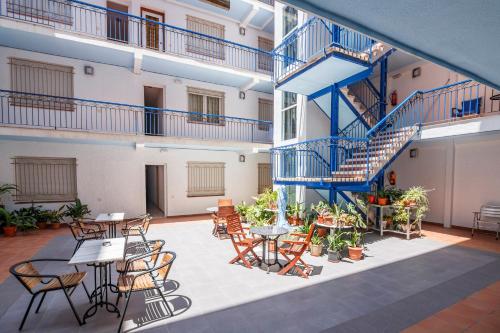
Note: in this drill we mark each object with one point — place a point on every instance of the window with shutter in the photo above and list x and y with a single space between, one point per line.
205 179
205 106
205 46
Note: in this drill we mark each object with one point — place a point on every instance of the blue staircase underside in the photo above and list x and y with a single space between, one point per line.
339 68
347 112
344 186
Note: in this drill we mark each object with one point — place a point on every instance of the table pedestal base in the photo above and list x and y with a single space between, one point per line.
100 293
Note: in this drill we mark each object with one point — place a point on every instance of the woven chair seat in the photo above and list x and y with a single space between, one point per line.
142 282
68 280
134 266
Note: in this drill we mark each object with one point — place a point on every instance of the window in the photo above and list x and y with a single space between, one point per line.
265 61
42 10
33 77
289 116
205 46
290 19
265 177
224 4
205 179
45 179
206 105
265 113
117 28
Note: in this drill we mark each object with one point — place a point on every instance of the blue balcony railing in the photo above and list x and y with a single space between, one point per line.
318 160
109 24
20 109
311 39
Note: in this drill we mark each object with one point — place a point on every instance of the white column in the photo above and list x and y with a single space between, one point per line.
449 183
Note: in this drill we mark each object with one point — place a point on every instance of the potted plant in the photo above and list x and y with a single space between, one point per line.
242 209
354 245
413 197
371 198
77 210
8 223
393 193
383 198
336 244
322 209
294 212
316 245
6 189
387 221
24 220
355 248
54 217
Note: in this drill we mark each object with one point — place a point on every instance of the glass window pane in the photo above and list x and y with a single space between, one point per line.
289 123
289 99
290 19
213 108
195 104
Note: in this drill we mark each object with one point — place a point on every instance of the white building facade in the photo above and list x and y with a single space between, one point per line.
135 106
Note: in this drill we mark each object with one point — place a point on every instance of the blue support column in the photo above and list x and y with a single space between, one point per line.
334 131
383 105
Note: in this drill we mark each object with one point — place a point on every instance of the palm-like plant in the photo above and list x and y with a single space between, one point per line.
6 189
77 210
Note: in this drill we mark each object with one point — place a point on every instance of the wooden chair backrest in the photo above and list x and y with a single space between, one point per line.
233 224
28 269
157 246
76 230
225 211
225 202
165 264
312 227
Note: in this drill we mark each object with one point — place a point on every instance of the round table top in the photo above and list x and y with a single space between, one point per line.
269 230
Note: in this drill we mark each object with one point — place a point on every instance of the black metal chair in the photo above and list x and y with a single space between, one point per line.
150 279
81 234
36 283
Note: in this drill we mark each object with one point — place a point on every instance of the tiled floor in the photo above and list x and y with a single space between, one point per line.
396 279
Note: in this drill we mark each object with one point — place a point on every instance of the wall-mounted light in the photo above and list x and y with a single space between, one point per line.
242 95
416 72
413 153
88 70
242 158
243 31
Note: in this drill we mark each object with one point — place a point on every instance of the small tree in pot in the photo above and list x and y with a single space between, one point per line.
242 209
336 244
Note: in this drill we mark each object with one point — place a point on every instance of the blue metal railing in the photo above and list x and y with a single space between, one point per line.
360 158
308 160
21 109
312 39
105 23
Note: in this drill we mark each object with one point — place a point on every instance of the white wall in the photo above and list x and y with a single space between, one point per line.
112 178
462 170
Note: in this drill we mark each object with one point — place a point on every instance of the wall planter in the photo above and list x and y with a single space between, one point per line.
333 256
316 250
355 253
9 231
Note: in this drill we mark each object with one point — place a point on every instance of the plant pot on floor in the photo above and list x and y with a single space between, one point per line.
333 256
42 225
10 231
355 253
316 250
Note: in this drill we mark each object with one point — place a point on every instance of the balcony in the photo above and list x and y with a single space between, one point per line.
319 54
132 41
24 110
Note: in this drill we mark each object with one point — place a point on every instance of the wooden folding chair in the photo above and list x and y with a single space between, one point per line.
242 242
296 248
219 220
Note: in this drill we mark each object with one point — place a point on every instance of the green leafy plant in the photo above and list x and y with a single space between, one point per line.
321 208
77 210
268 199
24 219
259 215
356 238
304 229
6 189
55 216
6 218
336 242
393 193
294 209
415 197
242 209
382 194
316 240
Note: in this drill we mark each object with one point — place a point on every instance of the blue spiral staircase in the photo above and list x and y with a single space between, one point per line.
332 65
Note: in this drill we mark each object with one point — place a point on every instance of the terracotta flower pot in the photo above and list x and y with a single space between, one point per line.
409 203
383 201
371 198
55 225
355 253
9 231
328 220
316 250
321 219
42 225
321 232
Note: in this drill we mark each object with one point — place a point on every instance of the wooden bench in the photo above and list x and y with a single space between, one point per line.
488 214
